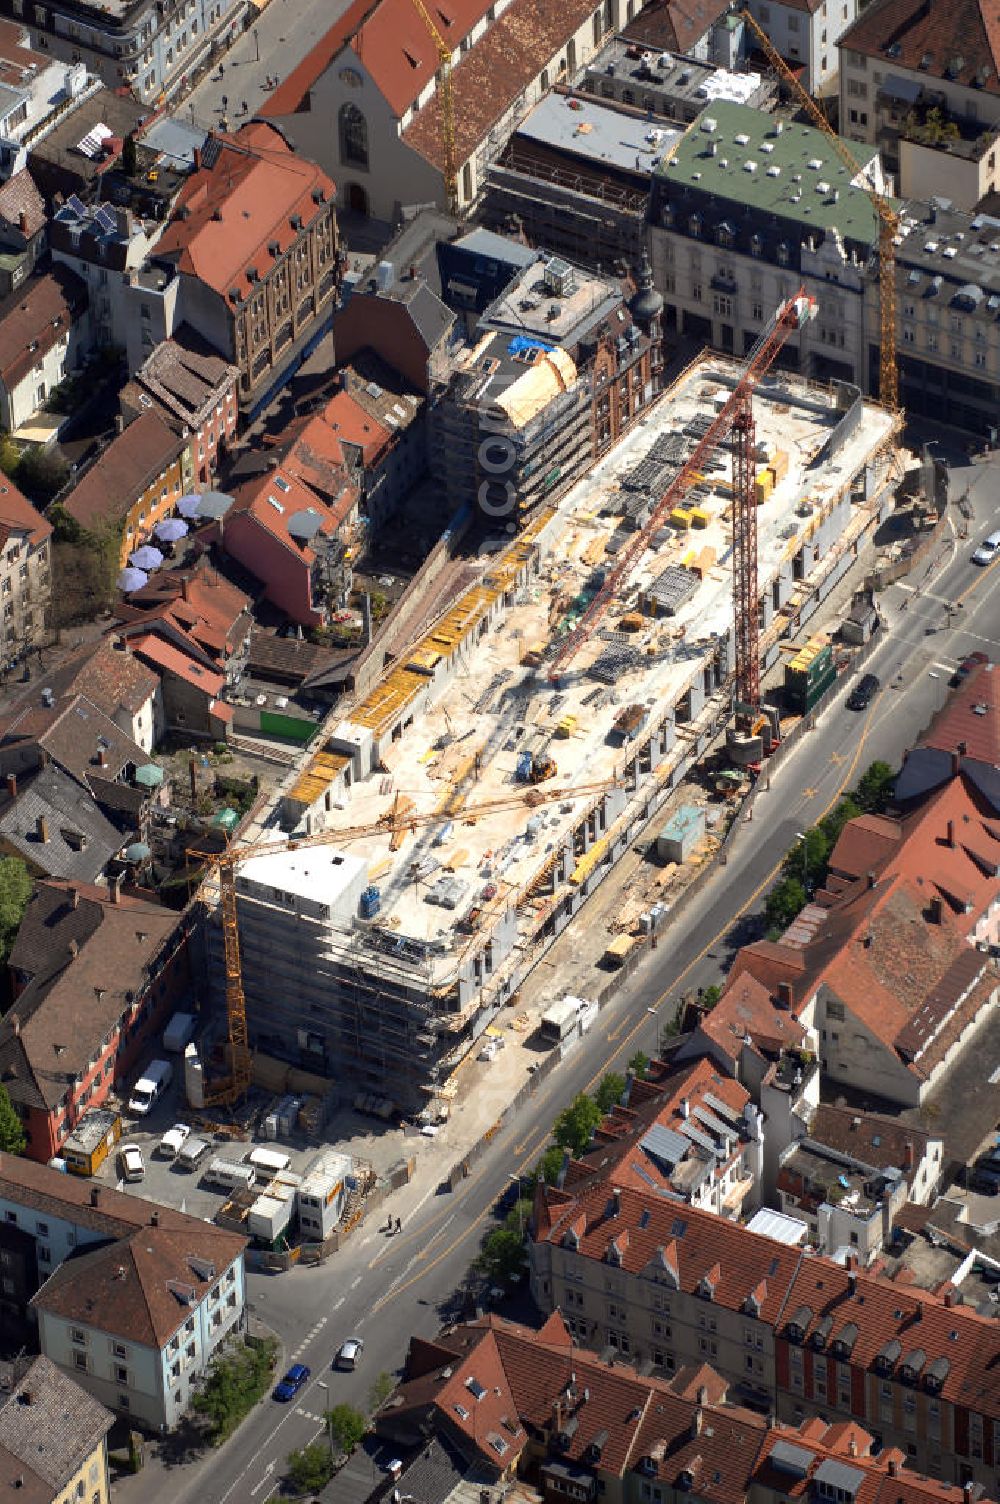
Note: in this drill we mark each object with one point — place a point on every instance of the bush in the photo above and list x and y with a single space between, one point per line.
783 903
311 1469
236 1381
609 1092
347 1426
575 1125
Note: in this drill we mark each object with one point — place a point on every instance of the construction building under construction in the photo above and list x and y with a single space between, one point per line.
383 957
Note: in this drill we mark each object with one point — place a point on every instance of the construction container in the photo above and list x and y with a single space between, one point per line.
627 725
566 727
370 902
681 834
271 1213
93 1139
680 517
763 486
809 675
779 465
268 1162
699 517
620 947
323 1194
631 622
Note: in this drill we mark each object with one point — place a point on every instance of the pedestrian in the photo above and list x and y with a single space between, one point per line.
246 110
399 1225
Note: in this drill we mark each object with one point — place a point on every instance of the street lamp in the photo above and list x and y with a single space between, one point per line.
256 46
801 836
327 1422
656 1031
516 1180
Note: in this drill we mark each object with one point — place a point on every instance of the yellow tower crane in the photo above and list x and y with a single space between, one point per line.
447 106
888 220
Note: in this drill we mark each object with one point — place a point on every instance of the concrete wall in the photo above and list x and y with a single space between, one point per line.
927 172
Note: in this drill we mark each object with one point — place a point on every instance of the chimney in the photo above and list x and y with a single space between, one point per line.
969 1490
956 763
95 1194
696 1420
893 1467
197 159
616 1203
935 910
685 1108
185 589
871 879
12 785
121 643
74 898
852 1284
42 827
949 1297
115 888
851 1261
852 1447
102 758
15 1024
22 222
908 1155
949 839
558 1407
74 948
154 1218
702 1394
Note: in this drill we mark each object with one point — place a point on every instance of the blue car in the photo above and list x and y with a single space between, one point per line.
290 1385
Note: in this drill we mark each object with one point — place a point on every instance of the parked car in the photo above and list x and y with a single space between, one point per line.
863 692
287 1388
987 550
966 666
350 1353
130 1162
173 1140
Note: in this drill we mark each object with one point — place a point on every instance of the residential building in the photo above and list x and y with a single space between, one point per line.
25 574
375 74
198 610
37 90
285 534
102 243
53 1436
380 421
790 1331
136 1298
702 32
749 208
249 259
900 60
668 83
190 387
406 324
82 149
129 958
843 1203
23 227
122 689
692 1135
884 1143
56 827
133 484
140 47
963 737
807 34
42 337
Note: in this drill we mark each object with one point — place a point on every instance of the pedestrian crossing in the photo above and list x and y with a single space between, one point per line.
309 1337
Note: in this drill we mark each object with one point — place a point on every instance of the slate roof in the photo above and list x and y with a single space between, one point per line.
955 40
79 841
75 733
109 676
20 196
51 1425
241 202
871 1137
35 317
143 1287
123 471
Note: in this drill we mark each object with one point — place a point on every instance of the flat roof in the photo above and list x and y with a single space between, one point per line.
779 1226
599 132
529 305
672 74
319 873
775 167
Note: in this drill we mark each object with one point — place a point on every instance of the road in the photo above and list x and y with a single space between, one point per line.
384 1289
280 37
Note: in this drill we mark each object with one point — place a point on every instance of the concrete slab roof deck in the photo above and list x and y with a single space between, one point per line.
599 132
789 162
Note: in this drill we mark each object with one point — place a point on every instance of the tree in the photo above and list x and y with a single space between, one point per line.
806 860
311 1469
710 996
12 1139
874 790
575 1125
15 890
382 1386
235 1382
783 903
347 1426
548 1168
832 824
639 1064
41 474
609 1092
502 1256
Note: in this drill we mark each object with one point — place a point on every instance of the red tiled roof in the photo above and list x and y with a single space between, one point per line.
969 720
275 499
353 425
228 214
957 40
35 317
746 1008
864 843
201 607
17 514
16 54
399 52
19 196
674 25
172 660
490 78
122 472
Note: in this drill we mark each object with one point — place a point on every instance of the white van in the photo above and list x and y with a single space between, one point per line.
268 1162
150 1087
192 1152
230 1175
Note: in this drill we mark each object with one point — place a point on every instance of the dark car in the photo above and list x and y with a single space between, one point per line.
863 692
288 1387
966 666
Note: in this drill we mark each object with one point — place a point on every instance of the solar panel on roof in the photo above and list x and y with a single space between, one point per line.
75 204
711 1121
697 1137
106 219
664 1145
719 1106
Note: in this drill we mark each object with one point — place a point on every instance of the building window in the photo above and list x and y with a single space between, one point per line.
353 136
696 292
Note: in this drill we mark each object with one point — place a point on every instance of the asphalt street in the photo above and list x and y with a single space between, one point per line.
384 1289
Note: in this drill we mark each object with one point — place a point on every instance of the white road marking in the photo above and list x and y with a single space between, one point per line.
356 1282
264 1481
338 1303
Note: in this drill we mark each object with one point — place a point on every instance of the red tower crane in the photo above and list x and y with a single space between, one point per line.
735 418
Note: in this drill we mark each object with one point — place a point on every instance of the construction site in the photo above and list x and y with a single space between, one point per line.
459 815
